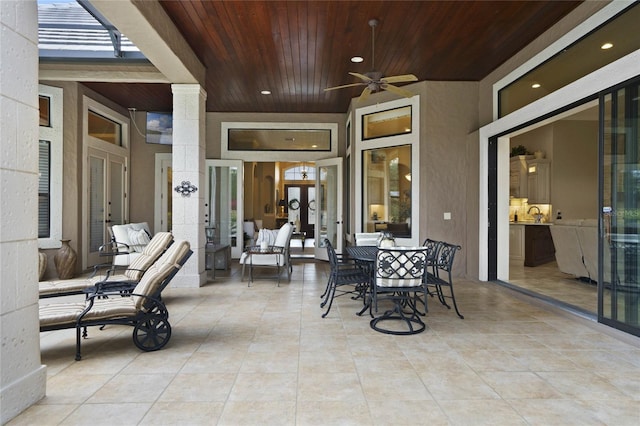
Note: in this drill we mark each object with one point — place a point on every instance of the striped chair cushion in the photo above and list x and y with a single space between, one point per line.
68 313
160 270
400 267
150 254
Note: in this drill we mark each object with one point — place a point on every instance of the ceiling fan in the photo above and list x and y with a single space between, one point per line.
375 81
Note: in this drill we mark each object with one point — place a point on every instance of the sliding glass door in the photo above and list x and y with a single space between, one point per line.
620 213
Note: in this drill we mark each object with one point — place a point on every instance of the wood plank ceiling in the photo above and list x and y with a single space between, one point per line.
295 49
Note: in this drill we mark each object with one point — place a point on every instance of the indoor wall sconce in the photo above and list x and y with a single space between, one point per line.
186 188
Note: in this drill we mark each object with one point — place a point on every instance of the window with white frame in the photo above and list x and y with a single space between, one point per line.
387 169
50 167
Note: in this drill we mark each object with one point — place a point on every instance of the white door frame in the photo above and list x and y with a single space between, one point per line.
108 148
320 250
161 199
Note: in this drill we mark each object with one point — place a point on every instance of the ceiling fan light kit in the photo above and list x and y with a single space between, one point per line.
375 81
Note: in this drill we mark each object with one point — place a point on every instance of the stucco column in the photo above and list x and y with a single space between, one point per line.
22 377
188 167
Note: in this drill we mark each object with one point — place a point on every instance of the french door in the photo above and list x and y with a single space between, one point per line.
107 183
301 200
223 203
328 195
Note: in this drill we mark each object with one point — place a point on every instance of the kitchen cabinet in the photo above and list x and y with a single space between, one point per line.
538 185
538 245
518 185
516 242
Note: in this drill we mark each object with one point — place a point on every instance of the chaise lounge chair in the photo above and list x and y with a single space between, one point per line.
131 274
142 309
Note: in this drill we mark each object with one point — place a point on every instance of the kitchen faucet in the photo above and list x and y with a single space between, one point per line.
538 216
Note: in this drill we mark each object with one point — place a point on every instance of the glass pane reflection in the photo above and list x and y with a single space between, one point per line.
387 190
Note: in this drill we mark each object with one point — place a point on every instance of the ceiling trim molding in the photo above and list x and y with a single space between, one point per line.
110 73
147 25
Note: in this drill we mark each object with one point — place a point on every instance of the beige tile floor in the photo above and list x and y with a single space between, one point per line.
549 281
244 355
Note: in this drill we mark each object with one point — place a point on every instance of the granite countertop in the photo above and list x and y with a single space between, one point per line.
527 222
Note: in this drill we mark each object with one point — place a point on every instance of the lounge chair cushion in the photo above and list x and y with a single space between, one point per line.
141 263
118 307
152 251
160 270
68 313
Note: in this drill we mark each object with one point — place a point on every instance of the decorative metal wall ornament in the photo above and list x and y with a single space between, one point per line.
186 188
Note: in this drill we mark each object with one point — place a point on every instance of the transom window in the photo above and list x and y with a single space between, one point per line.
301 172
104 129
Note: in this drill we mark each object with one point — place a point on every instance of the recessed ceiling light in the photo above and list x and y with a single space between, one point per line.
357 59
535 85
314 146
606 46
266 92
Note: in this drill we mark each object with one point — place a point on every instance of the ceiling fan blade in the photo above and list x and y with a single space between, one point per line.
365 94
400 78
361 76
343 86
397 90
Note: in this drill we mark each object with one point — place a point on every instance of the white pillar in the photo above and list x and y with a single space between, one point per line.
188 166
22 377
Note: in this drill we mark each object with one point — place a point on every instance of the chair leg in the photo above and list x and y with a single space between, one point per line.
455 305
330 296
327 292
78 339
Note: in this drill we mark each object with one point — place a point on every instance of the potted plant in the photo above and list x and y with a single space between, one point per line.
519 150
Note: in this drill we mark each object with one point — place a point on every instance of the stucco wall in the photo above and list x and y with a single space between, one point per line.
142 173
22 377
450 115
73 166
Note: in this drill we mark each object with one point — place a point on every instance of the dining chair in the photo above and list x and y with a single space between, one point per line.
399 275
345 277
442 276
432 247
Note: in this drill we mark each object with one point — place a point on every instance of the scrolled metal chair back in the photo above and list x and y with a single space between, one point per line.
432 247
400 267
446 256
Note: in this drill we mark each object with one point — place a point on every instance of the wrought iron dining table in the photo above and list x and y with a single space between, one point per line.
365 256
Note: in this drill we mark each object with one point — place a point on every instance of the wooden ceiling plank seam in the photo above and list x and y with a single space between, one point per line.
300 48
289 88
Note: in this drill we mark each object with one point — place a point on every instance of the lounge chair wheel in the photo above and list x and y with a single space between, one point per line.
151 333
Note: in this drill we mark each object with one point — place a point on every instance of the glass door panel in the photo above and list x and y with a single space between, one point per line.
223 203
300 201
97 206
116 191
619 242
328 200
107 187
